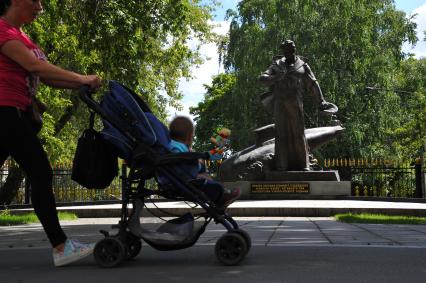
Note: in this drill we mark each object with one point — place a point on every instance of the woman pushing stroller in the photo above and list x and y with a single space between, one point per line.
22 66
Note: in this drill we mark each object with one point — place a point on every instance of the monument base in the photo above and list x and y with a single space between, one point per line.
275 190
302 176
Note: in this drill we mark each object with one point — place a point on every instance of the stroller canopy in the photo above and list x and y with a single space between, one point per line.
130 122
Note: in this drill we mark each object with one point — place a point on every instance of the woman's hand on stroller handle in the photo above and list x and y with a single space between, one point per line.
88 89
90 84
93 81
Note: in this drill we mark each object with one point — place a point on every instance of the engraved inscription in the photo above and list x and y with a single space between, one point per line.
280 188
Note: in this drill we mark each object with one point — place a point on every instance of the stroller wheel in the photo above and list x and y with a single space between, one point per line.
246 237
109 252
134 246
231 248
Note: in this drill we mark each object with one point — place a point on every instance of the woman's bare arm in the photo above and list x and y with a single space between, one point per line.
19 53
61 84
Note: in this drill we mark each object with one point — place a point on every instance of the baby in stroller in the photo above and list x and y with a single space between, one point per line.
182 135
144 143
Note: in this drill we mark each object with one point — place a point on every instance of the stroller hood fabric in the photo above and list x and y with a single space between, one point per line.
126 109
131 123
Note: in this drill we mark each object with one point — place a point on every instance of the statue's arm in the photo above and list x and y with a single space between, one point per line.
269 76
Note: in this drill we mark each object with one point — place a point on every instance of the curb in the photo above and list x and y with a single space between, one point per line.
93 212
254 212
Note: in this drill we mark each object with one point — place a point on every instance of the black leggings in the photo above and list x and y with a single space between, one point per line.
19 140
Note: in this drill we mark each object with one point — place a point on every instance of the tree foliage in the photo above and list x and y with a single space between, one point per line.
143 44
349 44
408 136
213 112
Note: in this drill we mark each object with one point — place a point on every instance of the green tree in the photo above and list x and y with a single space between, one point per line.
349 44
143 44
409 135
213 112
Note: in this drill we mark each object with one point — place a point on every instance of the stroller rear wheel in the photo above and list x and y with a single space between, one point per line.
134 245
231 248
109 252
246 237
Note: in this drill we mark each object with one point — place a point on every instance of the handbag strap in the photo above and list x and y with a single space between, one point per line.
92 119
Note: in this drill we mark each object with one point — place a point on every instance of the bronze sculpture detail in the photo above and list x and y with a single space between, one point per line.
288 77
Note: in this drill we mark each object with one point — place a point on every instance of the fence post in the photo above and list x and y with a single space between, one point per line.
419 180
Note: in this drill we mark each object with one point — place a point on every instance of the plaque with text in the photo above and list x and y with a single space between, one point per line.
280 188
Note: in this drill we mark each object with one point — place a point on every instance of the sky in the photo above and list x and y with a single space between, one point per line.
194 90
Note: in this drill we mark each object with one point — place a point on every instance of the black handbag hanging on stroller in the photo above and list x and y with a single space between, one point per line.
142 141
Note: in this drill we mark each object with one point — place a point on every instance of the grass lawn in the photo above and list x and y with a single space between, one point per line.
379 219
7 219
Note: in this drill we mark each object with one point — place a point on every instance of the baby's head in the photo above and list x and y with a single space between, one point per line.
182 130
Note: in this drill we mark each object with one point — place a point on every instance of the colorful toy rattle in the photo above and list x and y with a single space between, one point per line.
221 143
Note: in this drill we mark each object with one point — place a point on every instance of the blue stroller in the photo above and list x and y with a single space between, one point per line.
142 141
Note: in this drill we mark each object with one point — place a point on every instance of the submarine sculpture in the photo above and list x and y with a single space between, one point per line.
251 163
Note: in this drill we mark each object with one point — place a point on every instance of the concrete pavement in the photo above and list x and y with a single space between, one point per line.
264 231
285 249
280 264
282 222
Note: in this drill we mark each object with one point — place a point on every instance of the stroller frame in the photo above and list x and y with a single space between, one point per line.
230 249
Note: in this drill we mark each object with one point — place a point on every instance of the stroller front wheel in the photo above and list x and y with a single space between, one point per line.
109 252
231 248
134 245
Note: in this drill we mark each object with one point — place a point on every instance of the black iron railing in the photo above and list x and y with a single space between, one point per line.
68 191
381 177
369 178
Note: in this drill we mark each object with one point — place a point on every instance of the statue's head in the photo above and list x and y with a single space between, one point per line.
288 47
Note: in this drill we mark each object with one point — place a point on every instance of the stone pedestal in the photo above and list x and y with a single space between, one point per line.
294 185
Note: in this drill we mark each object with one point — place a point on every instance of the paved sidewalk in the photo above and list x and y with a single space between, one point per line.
285 249
264 231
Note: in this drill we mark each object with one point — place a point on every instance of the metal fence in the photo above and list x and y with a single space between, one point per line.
68 191
371 178
381 177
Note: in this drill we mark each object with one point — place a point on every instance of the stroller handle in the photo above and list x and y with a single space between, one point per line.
85 93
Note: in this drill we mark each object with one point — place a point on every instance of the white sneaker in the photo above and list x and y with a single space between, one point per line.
73 251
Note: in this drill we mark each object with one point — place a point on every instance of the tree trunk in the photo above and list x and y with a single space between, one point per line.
11 186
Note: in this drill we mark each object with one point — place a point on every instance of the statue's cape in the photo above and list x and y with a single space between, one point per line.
267 99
